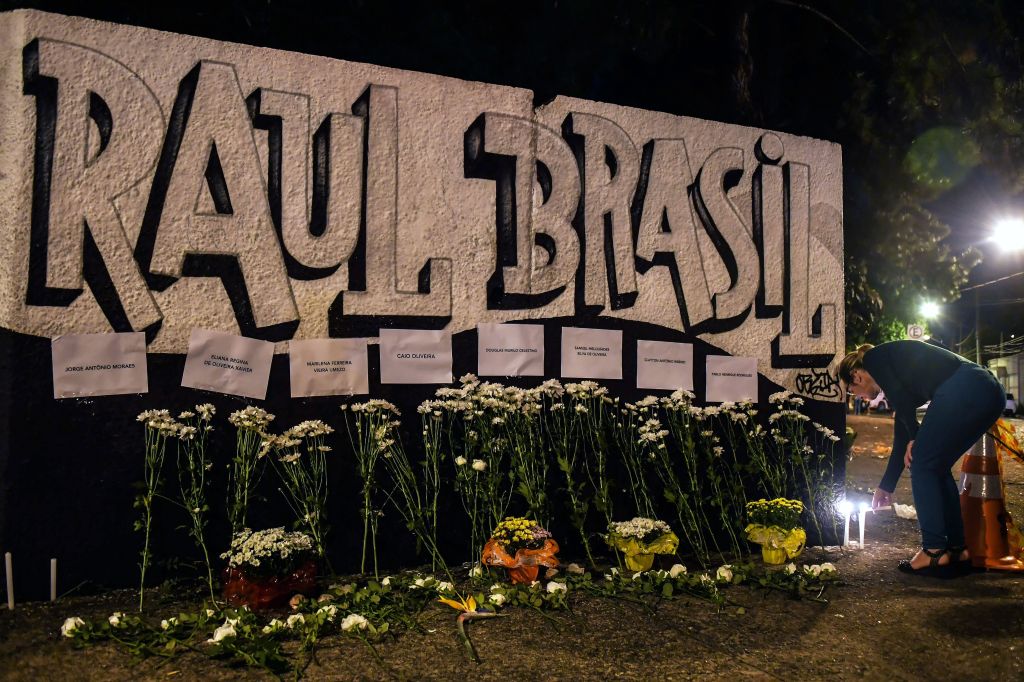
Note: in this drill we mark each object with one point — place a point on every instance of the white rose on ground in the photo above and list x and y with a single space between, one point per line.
295 619
814 570
354 620
115 619
444 586
495 586
330 611
476 571
210 613
676 570
575 569
790 568
828 568
461 461
724 574
70 625
479 465
386 581
497 599
553 587
226 630
164 625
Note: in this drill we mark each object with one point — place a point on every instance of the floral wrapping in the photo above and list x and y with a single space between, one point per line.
640 555
777 544
267 592
525 565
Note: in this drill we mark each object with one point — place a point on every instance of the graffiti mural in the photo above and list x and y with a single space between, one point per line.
157 182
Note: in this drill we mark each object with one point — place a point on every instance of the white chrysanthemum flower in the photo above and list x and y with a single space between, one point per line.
479 465
554 586
476 571
497 599
724 574
676 570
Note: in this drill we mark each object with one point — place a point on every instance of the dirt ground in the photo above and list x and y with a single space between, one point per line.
879 625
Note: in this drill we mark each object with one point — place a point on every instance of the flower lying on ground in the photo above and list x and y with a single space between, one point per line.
226 630
70 625
354 620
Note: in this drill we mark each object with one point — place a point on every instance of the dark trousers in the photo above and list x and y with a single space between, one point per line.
962 410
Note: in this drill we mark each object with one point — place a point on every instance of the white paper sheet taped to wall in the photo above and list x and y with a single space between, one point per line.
99 364
328 367
510 350
731 379
591 353
415 356
664 365
227 363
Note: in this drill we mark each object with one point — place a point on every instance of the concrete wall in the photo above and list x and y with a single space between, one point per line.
160 182
164 182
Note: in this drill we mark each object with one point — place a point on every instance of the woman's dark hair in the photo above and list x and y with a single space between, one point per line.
852 361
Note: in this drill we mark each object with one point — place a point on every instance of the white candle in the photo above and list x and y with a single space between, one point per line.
53 579
10 580
845 508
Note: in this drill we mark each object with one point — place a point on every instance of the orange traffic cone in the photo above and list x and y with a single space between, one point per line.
992 538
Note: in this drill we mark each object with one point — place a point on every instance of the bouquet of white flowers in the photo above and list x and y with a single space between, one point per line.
640 539
268 552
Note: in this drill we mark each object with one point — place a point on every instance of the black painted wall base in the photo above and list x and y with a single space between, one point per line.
69 468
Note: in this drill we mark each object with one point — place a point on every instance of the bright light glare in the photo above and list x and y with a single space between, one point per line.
929 310
865 506
1009 233
845 507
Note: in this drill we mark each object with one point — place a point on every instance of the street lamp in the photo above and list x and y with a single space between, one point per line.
929 310
1008 233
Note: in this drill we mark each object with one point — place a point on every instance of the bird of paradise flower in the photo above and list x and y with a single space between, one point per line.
468 608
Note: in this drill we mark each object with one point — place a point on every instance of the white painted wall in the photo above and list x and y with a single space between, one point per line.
421 203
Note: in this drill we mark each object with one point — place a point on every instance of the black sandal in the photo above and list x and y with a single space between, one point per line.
960 566
934 569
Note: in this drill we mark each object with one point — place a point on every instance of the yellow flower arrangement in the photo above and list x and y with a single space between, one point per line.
774 524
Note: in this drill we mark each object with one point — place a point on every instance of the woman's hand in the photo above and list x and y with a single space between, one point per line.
882 498
908 457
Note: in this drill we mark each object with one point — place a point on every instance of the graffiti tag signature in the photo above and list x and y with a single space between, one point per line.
818 384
